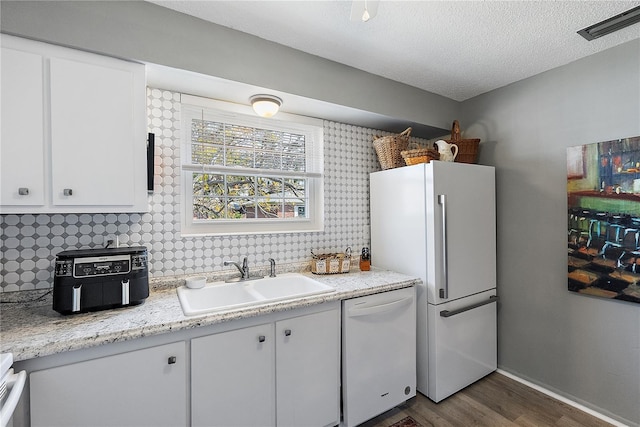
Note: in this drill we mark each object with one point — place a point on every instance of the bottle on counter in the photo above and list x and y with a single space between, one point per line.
365 259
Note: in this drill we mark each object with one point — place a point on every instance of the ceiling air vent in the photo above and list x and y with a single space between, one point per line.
610 25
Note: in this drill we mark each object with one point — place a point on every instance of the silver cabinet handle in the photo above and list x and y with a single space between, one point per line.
75 298
172 360
262 338
23 191
447 313
287 332
67 192
444 291
125 292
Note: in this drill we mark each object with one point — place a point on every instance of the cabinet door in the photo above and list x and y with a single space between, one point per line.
22 139
232 378
95 138
139 388
308 370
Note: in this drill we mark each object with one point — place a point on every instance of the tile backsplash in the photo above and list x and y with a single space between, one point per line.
30 243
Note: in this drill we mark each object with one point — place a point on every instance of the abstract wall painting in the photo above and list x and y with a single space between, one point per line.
603 199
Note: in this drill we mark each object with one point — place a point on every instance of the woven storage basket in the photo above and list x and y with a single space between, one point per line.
331 263
388 149
467 148
419 155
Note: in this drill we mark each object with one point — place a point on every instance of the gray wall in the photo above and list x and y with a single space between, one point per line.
146 32
584 347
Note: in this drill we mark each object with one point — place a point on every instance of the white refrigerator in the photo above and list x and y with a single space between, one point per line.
437 221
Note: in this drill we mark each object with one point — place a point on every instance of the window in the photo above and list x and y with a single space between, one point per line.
242 174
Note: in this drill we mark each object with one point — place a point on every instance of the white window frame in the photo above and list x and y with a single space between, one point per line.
193 106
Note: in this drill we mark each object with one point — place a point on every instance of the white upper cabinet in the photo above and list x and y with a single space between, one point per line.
73 133
22 143
92 129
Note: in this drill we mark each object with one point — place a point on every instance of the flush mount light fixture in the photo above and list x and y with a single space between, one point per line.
612 24
265 105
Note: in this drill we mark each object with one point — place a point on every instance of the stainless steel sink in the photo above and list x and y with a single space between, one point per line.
220 296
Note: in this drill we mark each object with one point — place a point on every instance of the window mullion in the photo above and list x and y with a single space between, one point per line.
224 145
225 196
235 170
253 148
256 197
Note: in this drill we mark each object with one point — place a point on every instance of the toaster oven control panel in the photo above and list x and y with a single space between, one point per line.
100 266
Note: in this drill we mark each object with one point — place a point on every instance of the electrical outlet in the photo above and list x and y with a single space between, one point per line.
111 242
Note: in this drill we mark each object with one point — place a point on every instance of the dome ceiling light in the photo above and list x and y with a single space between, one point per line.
265 105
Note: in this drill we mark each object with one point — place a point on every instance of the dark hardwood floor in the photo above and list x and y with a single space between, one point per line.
496 400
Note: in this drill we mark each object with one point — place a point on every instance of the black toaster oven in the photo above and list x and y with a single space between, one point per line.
99 279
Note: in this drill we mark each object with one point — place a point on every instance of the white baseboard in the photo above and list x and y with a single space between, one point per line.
563 399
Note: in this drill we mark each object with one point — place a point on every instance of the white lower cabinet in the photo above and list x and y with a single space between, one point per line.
278 369
232 378
139 388
281 373
307 370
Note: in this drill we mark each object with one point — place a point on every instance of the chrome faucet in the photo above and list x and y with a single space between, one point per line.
244 270
272 272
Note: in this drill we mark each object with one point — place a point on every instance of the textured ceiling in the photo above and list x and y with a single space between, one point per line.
458 49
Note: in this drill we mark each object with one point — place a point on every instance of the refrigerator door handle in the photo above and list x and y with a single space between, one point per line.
444 291
447 313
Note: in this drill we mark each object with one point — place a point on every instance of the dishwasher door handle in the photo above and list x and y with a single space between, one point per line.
16 383
447 313
379 308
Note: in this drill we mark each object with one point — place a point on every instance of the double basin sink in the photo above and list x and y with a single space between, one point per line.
221 296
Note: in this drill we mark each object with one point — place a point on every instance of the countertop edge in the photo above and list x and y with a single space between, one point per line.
145 319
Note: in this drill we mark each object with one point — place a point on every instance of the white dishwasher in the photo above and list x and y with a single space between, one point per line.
378 353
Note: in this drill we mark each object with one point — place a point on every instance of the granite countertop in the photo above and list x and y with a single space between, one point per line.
33 329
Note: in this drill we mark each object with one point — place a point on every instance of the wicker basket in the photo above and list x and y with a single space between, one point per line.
467 148
331 263
419 155
388 149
